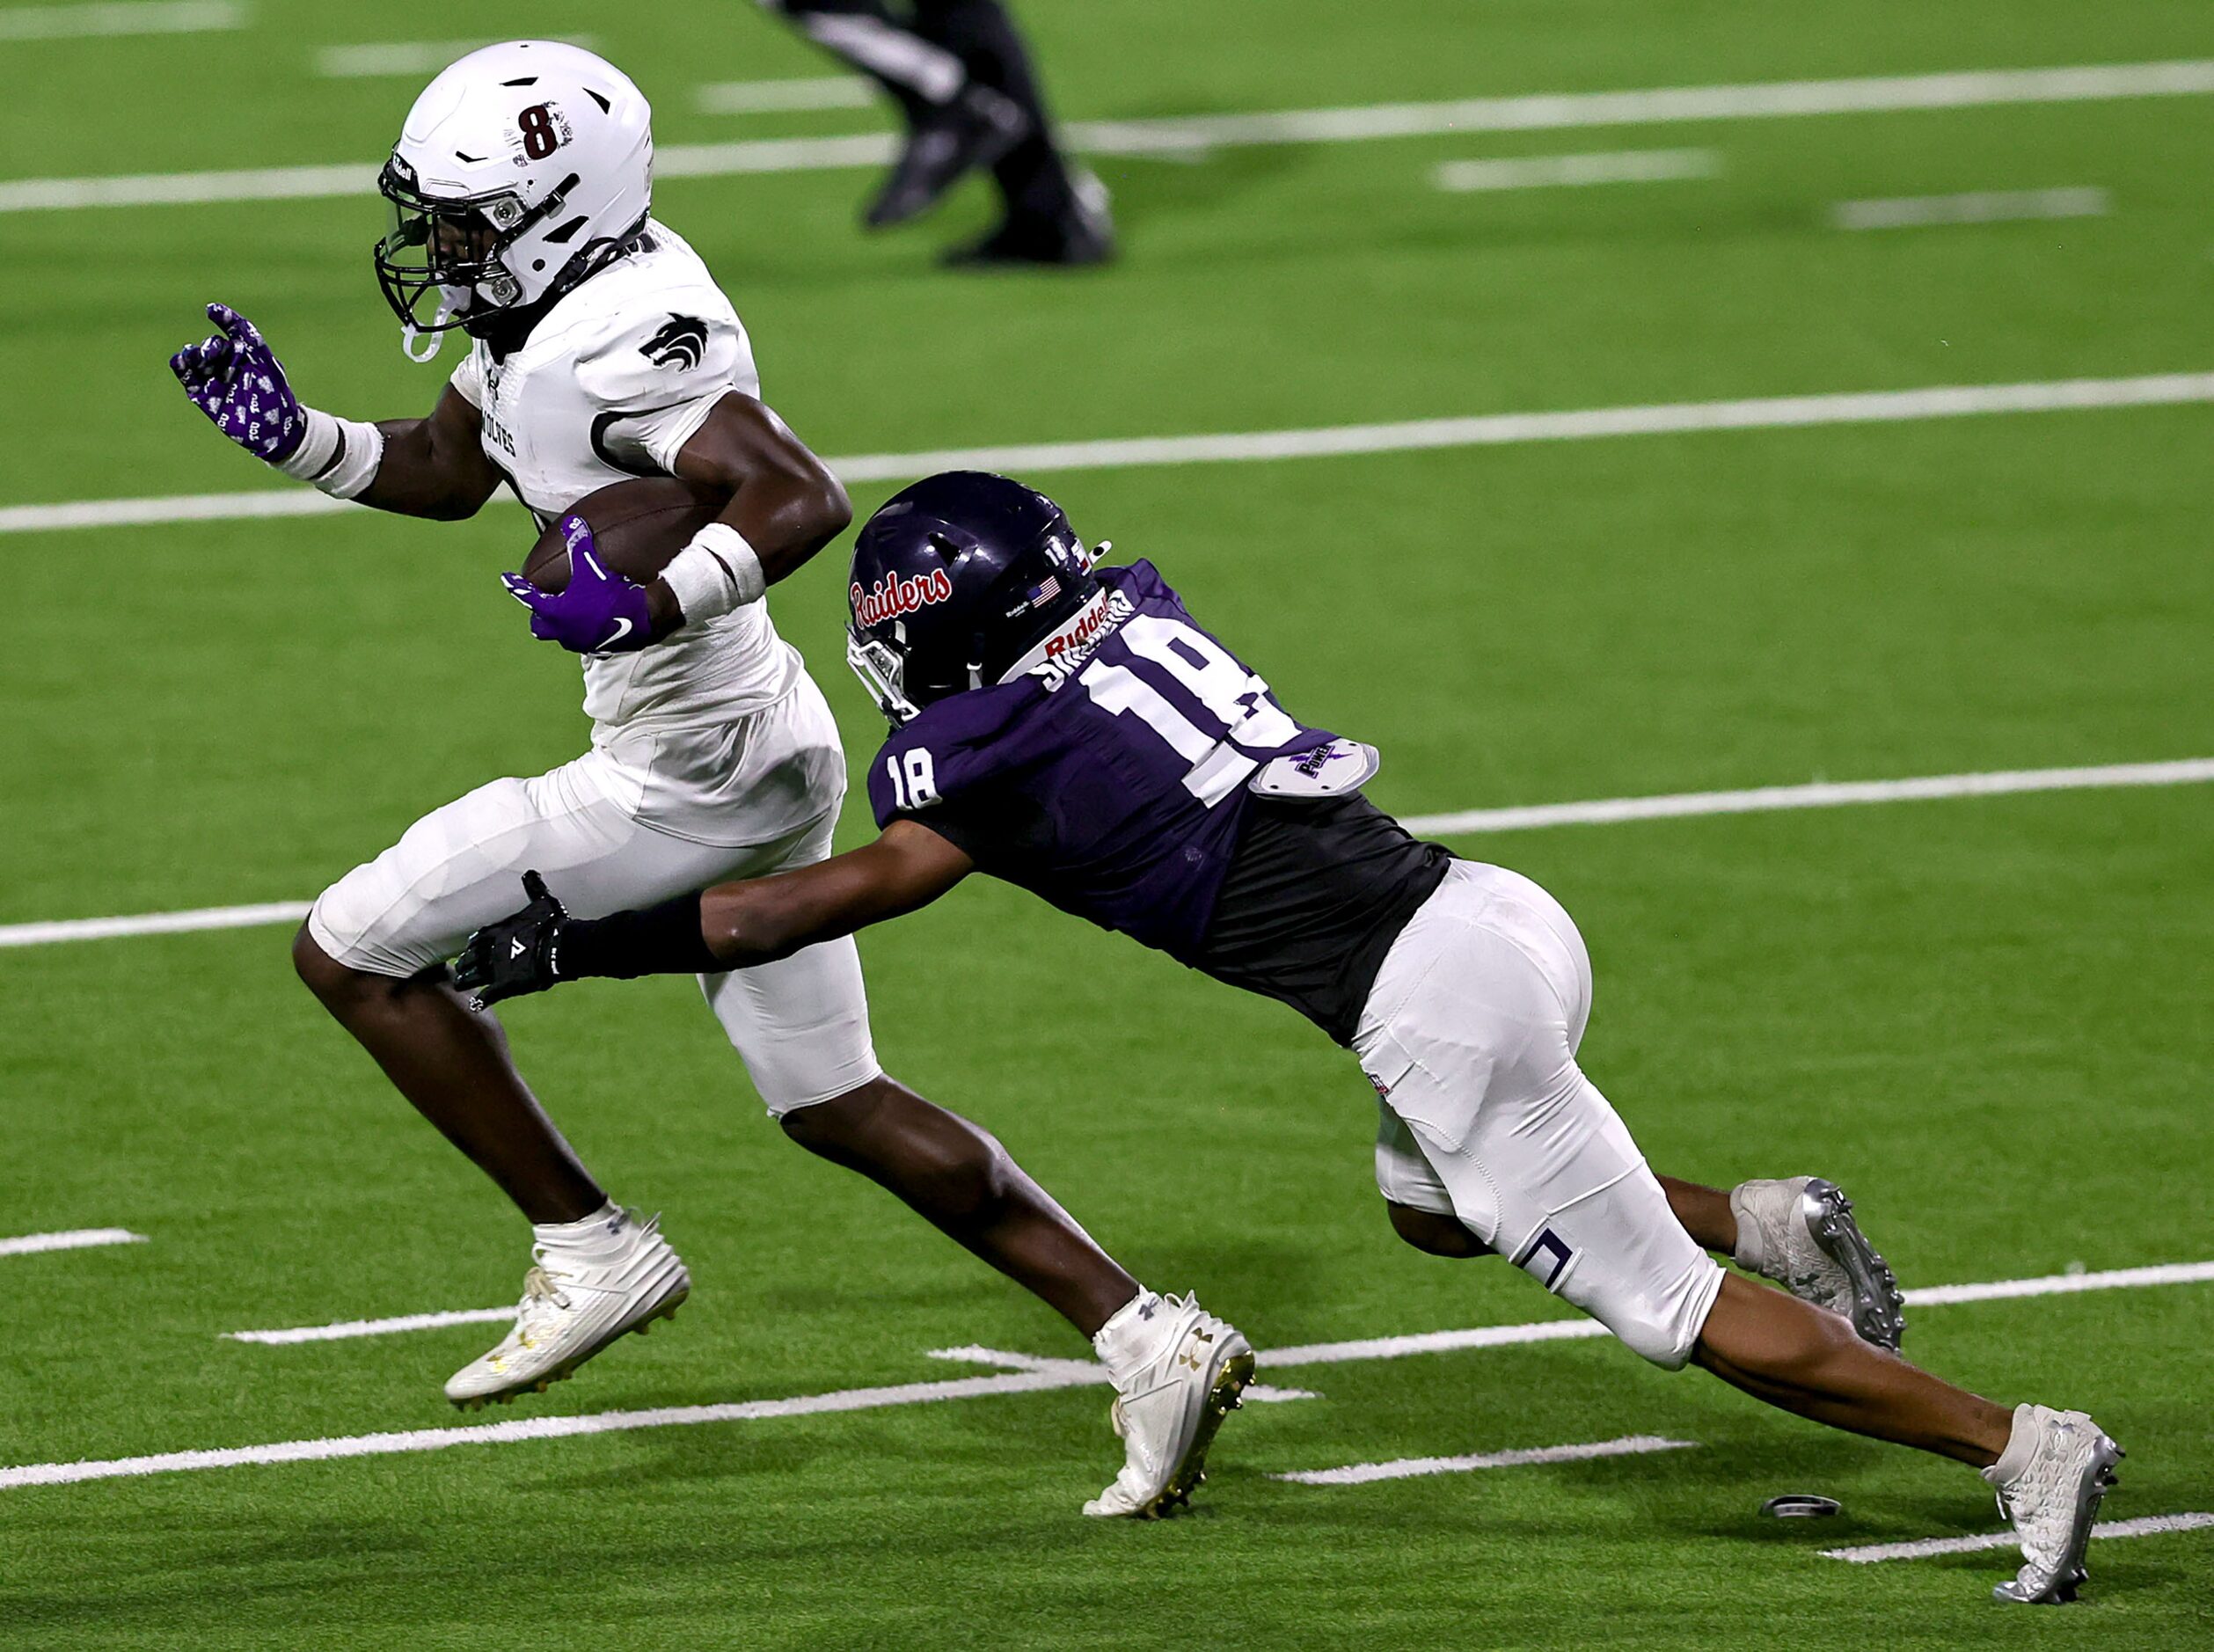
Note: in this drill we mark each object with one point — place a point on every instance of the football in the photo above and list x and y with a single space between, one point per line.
636 528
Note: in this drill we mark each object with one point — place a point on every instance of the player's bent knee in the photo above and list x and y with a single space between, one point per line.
340 986
1434 1234
321 973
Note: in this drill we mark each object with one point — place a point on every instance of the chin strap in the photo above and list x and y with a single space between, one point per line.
409 334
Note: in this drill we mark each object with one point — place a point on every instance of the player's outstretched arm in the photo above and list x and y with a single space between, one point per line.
434 467
785 505
728 927
419 467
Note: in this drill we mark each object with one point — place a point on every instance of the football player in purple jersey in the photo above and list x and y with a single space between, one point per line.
1070 728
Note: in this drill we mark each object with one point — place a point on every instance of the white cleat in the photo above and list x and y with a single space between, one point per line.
576 1301
1800 1233
1172 1393
2052 1499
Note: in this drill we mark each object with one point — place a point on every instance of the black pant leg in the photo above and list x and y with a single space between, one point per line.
1031 176
870 36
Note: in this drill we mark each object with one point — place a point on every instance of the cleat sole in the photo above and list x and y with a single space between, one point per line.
1878 1307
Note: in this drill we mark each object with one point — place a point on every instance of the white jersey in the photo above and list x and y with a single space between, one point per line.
611 384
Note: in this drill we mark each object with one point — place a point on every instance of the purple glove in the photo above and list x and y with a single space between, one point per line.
596 612
234 379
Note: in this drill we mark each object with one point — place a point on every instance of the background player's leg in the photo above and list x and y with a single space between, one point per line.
1803 1360
452 1063
954 124
1049 216
957 1176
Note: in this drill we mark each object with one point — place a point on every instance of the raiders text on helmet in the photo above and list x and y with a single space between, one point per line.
522 169
955 580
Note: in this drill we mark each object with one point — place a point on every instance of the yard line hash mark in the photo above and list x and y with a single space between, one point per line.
1182 136
1569 172
346 1328
124 17
1049 1374
2146 1526
1480 430
72 1239
2009 206
1409 1467
1600 811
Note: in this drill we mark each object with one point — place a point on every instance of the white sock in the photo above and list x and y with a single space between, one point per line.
1130 1335
607 1228
2021 1446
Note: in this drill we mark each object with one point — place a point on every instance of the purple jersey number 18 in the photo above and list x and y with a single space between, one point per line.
1247 719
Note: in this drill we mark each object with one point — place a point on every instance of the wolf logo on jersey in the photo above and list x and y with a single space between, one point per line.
680 345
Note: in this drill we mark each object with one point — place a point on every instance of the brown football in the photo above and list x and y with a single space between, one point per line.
636 528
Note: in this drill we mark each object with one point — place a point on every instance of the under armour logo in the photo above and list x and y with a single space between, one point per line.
1190 1357
681 344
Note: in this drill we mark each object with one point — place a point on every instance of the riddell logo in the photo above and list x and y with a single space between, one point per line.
893 595
1065 651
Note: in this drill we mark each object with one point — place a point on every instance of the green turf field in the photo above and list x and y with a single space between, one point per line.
1988 1017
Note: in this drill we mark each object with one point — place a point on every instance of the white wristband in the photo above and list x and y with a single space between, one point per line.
716 572
339 456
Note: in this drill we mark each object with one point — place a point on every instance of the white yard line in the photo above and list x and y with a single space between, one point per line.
2009 206
521 1428
346 1328
1569 172
1834 795
1765 413
73 1240
1825 795
764 96
378 59
1410 1467
142 513
126 17
1182 136
2061 1284
1482 430
1050 1374
154 924
2146 1526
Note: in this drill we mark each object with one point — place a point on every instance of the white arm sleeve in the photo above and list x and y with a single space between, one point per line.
656 376
469 380
658 434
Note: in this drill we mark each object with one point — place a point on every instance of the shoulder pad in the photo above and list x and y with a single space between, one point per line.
1333 769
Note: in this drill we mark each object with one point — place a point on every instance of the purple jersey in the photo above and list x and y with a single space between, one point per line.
1109 774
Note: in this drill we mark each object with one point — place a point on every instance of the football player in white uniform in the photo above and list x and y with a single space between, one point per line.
602 349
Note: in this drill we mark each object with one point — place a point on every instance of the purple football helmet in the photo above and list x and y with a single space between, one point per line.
955 579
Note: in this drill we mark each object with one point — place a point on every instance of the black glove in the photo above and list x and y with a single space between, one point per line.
518 954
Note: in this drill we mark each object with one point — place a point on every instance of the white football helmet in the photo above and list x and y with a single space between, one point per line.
522 169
